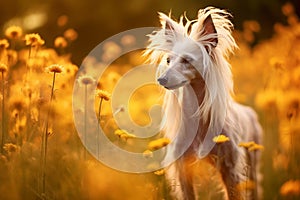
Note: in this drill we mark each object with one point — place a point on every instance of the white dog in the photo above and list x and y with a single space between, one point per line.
192 59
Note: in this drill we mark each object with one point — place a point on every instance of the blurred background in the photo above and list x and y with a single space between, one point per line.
97 20
41 155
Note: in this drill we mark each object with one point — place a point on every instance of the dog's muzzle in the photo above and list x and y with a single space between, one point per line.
162 81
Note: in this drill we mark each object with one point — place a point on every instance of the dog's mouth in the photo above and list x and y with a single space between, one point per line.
173 87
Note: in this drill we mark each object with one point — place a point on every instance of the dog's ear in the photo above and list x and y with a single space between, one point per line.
167 24
209 28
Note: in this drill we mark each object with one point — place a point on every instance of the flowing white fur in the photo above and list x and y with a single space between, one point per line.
218 107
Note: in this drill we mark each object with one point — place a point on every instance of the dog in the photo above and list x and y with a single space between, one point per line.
192 59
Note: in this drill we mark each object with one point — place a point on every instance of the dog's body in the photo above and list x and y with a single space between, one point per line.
195 55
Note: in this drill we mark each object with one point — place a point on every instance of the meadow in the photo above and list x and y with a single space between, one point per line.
42 156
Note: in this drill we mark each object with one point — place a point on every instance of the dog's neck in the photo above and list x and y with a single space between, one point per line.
198 86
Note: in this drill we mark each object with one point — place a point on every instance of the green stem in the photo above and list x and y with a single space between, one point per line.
13 44
99 110
99 121
45 139
85 119
29 124
26 65
3 121
255 175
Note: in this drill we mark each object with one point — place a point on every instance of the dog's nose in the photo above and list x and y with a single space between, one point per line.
162 81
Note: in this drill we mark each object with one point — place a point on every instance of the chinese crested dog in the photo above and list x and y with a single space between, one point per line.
192 59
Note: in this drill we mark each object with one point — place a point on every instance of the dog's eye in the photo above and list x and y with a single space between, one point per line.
168 60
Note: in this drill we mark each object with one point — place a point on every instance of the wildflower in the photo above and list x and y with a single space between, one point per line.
288 9
70 34
4 44
251 146
111 49
291 187
159 172
55 68
3 159
60 42
119 132
159 143
34 39
124 134
62 20
251 25
86 80
13 32
246 144
148 154
103 94
220 139
127 136
128 40
10 148
3 68
255 147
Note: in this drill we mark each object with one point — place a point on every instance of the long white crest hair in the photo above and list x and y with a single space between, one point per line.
214 68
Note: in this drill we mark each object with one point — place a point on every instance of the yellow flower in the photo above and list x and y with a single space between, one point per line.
288 9
4 44
246 144
159 143
60 42
55 68
128 40
220 139
86 80
34 39
124 134
119 132
3 159
70 34
148 154
159 172
291 187
251 146
127 136
62 20
10 148
13 32
103 94
3 68
255 147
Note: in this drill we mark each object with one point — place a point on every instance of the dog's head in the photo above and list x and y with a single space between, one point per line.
187 53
